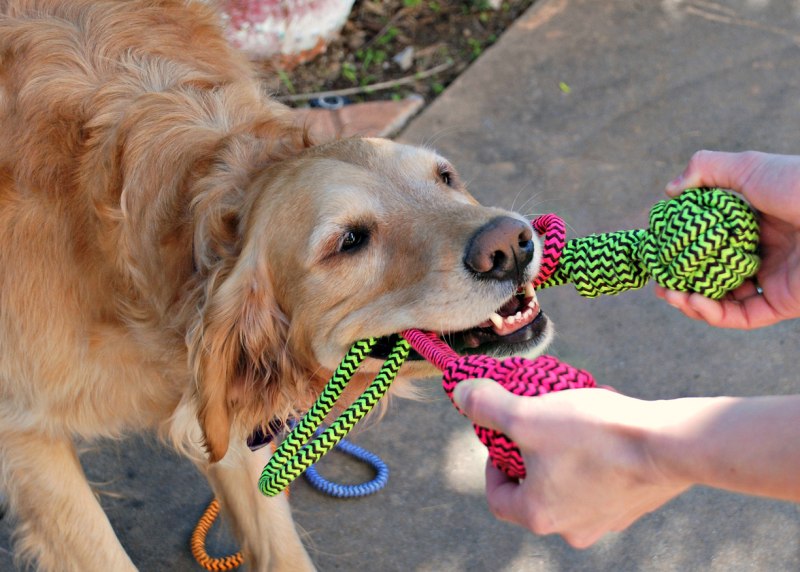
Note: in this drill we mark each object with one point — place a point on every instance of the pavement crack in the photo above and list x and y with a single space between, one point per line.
717 13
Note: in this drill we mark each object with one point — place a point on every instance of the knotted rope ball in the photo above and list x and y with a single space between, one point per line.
704 241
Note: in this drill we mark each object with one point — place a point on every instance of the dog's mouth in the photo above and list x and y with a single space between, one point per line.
516 327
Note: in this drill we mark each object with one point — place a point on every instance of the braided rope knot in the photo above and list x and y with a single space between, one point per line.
520 376
701 241
704 241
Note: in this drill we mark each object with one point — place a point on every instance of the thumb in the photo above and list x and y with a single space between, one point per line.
485 402
712 169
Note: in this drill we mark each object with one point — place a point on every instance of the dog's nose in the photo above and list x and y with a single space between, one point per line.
500 250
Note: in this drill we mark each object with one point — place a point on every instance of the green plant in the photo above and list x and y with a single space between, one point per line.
387 36
478 5
287 82
350 72
475 46
371 56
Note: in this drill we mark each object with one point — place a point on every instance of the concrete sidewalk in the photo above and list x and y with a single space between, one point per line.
587 109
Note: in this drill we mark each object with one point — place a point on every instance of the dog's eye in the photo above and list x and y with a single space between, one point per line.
446 176
353 239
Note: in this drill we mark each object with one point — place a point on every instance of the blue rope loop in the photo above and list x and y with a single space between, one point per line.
351 491
342 491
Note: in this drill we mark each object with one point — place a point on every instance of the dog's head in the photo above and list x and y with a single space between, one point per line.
355 239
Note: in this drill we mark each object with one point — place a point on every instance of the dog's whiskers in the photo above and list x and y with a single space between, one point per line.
431 140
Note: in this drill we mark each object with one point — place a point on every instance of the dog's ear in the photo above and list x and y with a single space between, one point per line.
237 342
237 354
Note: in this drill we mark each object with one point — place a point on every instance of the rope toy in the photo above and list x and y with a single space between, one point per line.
341 491
276 477
518 375
198 543
704 241
297 453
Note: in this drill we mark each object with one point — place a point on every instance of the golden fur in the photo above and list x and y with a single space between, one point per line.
171 260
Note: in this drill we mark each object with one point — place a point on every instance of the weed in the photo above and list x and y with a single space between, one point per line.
475 46
388 36
287 82
349 72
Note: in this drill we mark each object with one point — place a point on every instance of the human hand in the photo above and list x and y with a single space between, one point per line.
771 183
589 471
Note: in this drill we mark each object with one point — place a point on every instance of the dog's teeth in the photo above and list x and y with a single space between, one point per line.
529 291
497 320
530 295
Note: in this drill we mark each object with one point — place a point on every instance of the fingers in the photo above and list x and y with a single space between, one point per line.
486 403
696 306
501 494
678 300
714 169
745 308
748 289
508 500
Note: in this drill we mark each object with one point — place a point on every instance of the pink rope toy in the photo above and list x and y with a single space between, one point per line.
518 375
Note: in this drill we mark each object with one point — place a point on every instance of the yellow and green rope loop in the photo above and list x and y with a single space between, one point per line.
297 452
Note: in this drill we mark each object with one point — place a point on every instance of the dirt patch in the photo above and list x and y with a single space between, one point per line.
391 48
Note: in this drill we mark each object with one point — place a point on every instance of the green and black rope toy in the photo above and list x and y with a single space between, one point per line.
299 451
705 241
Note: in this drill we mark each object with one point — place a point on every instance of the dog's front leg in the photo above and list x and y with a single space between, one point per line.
263 525
61 525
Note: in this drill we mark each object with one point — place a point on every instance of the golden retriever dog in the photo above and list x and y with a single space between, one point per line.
176 256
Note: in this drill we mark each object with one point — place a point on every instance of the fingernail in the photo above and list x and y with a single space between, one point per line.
668 299
463 389
675 184
460 392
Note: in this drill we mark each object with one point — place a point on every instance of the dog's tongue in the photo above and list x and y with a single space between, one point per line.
510 308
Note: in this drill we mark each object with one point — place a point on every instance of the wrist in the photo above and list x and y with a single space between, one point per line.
650 440
746 445
673 440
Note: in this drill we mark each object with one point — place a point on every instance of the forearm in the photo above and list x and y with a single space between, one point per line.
748 445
